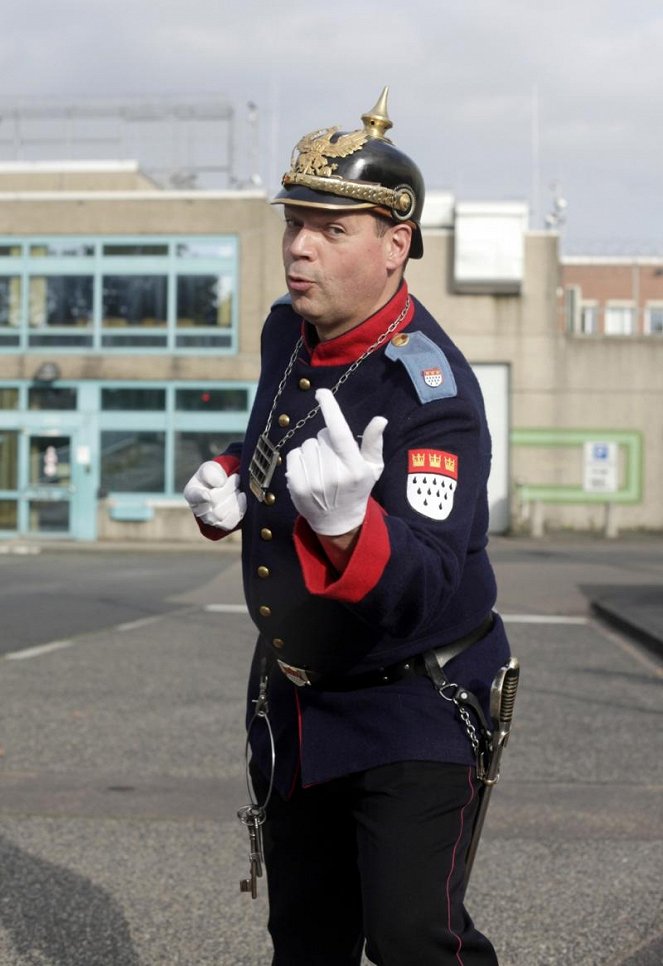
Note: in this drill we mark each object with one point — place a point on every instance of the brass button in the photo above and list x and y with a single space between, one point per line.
284 420
265 611
400 340
263 572
304 384
278 642
270 499
266 534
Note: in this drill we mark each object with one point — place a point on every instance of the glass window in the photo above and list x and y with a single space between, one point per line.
619 320
204 300
212 400
136 249
589 316
152 293
205 249
60 300
50 460
133 399
62 248
132 462
134 300
192 449
654 320
8 397
8 515
209 340
49 516
8 459
10 300
47 397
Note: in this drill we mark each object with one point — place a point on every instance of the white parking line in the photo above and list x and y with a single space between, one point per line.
141 622
542 619
37 651
227 608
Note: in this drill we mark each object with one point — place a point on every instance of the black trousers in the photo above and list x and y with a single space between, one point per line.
378 857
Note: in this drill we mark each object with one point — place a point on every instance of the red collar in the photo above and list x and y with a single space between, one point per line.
344 349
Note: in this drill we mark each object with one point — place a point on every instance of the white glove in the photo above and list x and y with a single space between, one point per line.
215 497
329 476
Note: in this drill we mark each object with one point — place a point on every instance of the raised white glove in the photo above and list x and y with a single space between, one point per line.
215 497
329 476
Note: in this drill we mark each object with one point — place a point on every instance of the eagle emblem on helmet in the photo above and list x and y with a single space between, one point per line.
315 150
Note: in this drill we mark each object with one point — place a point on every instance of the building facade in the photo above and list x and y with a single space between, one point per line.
130 322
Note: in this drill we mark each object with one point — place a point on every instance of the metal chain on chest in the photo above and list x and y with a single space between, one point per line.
266 456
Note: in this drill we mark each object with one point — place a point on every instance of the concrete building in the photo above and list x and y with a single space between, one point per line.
130 319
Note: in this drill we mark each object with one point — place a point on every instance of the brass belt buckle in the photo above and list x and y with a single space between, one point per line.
297 675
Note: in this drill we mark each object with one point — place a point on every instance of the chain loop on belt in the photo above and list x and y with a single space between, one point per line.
260 713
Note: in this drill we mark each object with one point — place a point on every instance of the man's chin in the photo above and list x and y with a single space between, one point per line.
303 306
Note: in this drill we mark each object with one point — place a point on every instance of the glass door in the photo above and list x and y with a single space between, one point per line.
50 487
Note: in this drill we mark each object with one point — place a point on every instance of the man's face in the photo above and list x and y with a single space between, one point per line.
338 269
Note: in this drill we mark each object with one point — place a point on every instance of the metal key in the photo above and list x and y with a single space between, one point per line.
252 817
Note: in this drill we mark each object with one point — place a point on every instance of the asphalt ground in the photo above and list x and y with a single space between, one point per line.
121 759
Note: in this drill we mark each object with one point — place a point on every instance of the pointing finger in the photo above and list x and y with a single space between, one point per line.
340 434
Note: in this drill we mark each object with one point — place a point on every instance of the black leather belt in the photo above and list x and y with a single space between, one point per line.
410 667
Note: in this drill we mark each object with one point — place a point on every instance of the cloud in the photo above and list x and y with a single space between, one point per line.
467 80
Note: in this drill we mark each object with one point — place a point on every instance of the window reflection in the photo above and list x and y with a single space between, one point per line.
8 459
60 300
212 400
60 248
192 449
8 515
204 300
133 399
132 461
10 300
134 300
8 397
48 397
50 460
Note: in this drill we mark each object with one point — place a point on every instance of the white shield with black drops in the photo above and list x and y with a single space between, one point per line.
432 480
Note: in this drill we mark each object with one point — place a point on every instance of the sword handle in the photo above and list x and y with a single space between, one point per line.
502 701
503 695
509 688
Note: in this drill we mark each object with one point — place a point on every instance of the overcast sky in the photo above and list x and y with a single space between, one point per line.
495 99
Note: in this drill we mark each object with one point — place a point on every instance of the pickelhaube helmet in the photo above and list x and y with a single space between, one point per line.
360 169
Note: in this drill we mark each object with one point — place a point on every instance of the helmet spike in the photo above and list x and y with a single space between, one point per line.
377 120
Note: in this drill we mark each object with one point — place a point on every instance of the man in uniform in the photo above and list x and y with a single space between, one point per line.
360 490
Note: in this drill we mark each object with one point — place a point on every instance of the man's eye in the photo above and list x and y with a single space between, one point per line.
335 230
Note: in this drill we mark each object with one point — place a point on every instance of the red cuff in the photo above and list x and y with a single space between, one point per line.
364 568
230 464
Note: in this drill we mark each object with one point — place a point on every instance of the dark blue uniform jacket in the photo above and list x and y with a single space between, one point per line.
419 575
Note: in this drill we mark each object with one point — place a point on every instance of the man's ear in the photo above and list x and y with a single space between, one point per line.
400 239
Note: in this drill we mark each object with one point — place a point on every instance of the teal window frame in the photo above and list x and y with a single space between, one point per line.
88 421
96 337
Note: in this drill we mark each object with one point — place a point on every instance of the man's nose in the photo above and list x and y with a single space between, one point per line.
300 244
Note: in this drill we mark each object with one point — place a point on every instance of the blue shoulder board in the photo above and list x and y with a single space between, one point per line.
282 300
426 364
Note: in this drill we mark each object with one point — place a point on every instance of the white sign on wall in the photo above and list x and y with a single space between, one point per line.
600 467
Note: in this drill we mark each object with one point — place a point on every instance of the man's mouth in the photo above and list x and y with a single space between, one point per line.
296 283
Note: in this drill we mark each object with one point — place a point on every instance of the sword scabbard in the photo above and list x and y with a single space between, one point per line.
502 701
